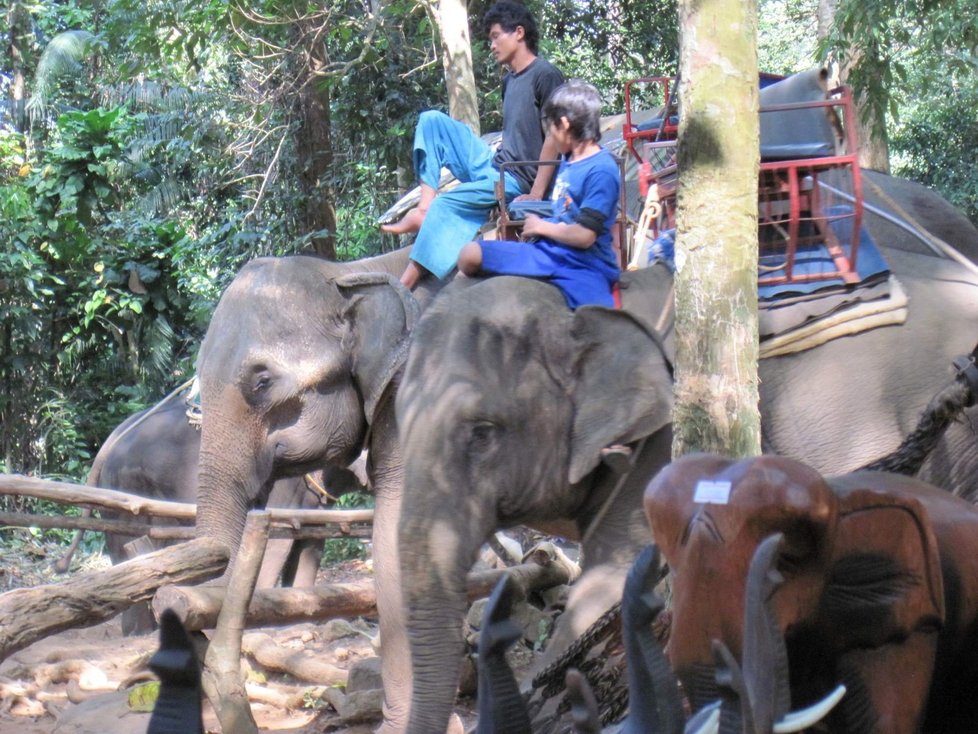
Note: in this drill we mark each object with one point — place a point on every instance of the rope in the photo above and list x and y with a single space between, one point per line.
937 416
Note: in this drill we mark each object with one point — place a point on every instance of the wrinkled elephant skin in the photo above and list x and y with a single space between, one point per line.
296 371
154 454
507 400
880 585
503 415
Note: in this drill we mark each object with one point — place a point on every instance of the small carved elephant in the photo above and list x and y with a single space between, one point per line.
754 697
880 589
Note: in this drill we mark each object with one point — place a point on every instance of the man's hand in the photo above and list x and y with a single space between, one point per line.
528 197
532 225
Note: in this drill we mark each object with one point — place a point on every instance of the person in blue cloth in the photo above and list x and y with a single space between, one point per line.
572 248
447 221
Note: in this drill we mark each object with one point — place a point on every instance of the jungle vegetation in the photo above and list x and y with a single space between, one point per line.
148 149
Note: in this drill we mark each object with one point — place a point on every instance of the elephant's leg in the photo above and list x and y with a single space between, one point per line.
387 478
888 686
276 554
307 555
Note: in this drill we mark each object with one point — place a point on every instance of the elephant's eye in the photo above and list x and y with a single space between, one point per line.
482 437
261 383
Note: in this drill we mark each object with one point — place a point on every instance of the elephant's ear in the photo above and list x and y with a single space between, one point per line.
886 580
381 315
622 387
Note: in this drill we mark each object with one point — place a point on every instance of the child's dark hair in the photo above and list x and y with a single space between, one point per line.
509 15
580 103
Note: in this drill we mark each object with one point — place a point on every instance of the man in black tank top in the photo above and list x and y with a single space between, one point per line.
447 222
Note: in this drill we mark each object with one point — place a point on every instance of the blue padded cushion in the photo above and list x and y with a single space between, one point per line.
655 124
519 209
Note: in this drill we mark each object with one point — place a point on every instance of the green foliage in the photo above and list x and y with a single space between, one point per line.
786 31
337 550
934 143
880 41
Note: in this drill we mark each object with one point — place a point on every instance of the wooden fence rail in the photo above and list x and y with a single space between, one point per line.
110 499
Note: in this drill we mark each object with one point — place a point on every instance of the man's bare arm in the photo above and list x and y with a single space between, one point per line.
548 152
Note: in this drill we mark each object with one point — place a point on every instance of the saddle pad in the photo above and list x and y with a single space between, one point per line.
852 319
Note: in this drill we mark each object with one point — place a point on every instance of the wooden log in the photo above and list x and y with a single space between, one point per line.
110 499
222 677
198 606
29 614
299 664
172 532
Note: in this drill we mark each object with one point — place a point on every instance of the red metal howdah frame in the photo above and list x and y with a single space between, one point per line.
809 193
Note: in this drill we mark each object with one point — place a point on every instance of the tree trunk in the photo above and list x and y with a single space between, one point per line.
18 24
31 614
314 153
874 147
456 49
716 249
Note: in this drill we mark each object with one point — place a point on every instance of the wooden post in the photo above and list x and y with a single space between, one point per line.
27 615
223 682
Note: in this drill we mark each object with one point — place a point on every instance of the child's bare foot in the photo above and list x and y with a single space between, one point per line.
410 222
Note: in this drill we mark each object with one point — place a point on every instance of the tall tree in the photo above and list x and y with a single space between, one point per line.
314 144
716 223
18 29
874 149
456 48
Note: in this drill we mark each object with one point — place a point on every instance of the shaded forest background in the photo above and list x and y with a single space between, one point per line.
149 148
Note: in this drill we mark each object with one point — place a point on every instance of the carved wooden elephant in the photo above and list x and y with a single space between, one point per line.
880 591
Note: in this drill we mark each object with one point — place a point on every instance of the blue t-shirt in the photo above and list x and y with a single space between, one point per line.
586 192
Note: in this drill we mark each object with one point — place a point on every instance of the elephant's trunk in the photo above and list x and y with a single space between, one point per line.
436 553
227 483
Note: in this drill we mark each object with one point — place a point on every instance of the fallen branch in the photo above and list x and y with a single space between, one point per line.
297 663
87 599
198 606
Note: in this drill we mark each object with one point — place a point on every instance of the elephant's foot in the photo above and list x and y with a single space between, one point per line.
410 222
455 726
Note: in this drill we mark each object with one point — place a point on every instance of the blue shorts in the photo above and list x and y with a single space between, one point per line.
585 280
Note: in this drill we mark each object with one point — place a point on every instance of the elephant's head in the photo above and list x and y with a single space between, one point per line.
505 405
860 564
297 355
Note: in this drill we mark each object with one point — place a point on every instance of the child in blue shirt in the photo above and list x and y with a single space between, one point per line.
572 248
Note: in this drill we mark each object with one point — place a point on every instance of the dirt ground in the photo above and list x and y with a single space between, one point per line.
79 681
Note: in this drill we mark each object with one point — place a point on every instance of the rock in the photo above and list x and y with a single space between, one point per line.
536 625
365 676
357 706
337 629
97 715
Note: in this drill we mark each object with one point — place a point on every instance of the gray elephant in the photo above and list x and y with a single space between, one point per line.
154 453
508 401
297 370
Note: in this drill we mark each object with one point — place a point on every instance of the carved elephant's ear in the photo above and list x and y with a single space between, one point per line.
886 580
381 315
622 387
